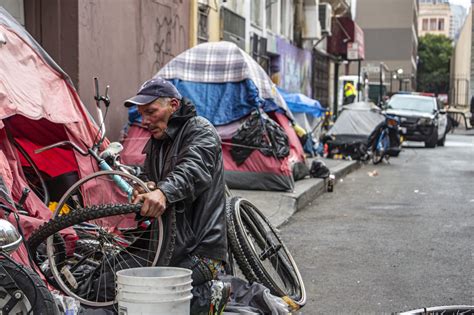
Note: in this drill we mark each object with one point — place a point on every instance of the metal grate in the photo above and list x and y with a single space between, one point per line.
233 27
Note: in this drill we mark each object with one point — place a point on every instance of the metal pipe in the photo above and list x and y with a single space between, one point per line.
336 87
359 84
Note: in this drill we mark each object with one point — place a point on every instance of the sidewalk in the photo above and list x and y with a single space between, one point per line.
279 206
462 131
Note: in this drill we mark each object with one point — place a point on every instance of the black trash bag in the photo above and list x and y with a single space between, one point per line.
300 171
270 138
319 169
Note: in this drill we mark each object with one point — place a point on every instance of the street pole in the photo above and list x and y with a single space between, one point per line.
381 84
358 80
391 81
336 87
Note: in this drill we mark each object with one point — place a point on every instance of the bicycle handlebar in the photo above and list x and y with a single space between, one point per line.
62 143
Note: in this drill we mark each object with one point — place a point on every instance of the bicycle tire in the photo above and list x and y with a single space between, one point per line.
250 222
40 190
377 154
33 288
442 310
55 225
237 253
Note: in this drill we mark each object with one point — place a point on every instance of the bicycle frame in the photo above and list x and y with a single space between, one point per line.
383 143
119 181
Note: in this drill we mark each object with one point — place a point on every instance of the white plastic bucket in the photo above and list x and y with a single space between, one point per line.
154 290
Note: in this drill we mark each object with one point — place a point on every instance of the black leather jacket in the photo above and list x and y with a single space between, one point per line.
188 169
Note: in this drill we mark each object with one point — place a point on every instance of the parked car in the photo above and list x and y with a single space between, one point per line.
422 118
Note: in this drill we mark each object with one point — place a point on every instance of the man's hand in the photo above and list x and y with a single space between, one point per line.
154 203
138 190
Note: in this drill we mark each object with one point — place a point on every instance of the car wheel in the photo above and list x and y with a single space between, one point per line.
441 141
432 139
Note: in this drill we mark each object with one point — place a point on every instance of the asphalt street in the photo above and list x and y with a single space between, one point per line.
402 239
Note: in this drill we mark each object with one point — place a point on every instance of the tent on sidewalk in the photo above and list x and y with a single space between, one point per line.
229 88
38 107
308 114
350 133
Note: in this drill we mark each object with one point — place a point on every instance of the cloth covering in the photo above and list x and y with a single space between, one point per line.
357 119
222 62
221 103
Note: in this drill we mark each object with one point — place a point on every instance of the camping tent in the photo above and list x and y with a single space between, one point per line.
308 114
227 85
39 106
350 133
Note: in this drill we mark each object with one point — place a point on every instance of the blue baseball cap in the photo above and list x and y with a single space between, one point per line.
152 90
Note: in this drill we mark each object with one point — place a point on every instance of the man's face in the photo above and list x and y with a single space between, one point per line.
155 116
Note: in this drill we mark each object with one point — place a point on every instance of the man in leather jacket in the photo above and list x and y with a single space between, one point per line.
184 159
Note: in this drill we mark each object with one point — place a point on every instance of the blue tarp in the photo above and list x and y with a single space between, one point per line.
300 103
220 103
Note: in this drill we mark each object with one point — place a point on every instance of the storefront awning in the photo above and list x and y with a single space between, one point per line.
346 32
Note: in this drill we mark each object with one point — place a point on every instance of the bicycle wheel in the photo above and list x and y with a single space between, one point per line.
443 310
34 294
33 175
379 148
95 250
265 254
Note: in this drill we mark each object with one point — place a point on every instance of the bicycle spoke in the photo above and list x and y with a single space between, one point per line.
103 239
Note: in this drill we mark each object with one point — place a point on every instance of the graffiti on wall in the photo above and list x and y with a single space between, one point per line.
164 33
295 68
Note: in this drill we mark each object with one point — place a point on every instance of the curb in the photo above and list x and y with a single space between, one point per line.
278 207
308 190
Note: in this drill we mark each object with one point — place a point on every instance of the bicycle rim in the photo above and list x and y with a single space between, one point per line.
272 262
94 252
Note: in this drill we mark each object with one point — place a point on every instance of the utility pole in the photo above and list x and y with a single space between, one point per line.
336 87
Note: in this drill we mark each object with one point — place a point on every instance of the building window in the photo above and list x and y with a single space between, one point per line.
424 25
259 52
235 5
268 13
271 14
321 78
433 25
233 27
203 24
441 25
286 19
283 16
256 12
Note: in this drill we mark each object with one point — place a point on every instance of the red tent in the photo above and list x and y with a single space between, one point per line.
38 106
227 85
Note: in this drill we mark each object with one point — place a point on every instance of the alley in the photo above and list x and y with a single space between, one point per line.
396 241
